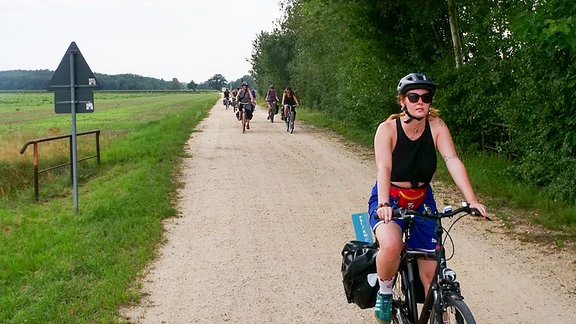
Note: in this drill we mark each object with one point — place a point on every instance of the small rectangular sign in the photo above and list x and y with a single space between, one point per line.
84 101
362 227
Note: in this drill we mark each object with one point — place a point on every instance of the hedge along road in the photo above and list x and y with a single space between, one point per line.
263 217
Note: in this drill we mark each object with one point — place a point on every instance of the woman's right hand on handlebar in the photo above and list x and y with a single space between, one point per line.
384 213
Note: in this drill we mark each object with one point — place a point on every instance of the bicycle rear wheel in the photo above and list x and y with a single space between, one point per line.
456 312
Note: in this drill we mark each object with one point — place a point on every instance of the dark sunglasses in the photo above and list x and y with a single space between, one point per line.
414 97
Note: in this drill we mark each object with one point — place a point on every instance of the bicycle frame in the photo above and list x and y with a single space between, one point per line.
242 109
290 118
271 110
408 276
443 286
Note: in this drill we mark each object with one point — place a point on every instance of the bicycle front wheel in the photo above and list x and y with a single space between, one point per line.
456 312
291 123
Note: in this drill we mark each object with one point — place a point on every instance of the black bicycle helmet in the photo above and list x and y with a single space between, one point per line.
271 87
416 81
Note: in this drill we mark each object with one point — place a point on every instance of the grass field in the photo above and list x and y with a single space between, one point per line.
60 267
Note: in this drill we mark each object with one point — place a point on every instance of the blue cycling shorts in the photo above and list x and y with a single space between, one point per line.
422 236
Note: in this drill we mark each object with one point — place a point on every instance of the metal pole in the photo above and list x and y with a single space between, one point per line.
73 111
98 146
71 158
36 186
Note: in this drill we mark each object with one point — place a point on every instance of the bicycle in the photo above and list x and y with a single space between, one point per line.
234 104
444 302
226 103
271 111
242 114
290 118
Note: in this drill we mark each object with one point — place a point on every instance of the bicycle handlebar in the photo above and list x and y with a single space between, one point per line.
402 213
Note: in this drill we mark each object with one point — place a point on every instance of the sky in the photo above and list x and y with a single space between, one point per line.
191 40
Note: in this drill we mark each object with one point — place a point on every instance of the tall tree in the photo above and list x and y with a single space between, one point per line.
271 56
175 84
455 32
192 85
217 82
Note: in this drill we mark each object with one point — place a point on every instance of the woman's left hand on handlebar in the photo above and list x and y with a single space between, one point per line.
481 208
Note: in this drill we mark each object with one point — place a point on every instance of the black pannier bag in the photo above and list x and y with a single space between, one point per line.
359 273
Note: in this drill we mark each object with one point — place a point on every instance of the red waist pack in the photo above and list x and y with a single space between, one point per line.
408 198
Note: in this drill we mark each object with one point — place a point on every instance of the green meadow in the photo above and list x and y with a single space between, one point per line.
57 266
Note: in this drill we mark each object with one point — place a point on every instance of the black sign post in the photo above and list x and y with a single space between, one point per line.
72 84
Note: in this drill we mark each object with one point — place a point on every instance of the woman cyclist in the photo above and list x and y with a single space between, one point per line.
405 152
271 99
289 99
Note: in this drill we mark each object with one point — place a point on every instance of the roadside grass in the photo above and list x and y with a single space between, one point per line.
60 267
512 201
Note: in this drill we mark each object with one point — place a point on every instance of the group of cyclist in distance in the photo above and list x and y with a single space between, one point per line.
405 148
245 99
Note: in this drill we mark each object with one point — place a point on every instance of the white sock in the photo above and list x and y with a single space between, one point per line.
386 286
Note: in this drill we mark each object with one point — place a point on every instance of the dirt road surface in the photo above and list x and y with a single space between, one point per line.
263 217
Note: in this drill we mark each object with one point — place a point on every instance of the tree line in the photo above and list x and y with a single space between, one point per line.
218 81
505 69
39 80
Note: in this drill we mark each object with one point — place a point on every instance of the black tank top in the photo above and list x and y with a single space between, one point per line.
289 100
413 161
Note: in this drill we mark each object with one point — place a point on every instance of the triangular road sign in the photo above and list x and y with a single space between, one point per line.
83 75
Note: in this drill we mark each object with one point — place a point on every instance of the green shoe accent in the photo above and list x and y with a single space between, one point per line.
383 308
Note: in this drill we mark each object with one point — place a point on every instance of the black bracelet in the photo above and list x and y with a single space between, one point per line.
386 204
